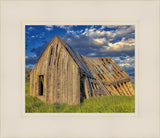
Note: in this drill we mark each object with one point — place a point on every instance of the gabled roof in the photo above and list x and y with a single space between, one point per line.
75 55
77 58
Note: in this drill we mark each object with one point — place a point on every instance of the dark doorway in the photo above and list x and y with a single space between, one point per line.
82 92
41 84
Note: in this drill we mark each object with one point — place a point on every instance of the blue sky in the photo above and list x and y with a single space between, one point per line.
116 41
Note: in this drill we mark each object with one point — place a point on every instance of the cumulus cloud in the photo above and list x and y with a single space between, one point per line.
78 32
100 40
125 31
86 45
126 62
118 31
123 45
118 41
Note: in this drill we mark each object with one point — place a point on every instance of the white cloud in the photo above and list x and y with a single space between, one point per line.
30 28
100 40
91 54
68 39
123 45
49 27
127 63
103 27
65 27
31 59
93 32
34 36
78 32
119 31
71 32
27 57
123 30
111 26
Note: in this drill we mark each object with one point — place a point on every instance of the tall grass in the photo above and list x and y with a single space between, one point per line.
27 89
104 104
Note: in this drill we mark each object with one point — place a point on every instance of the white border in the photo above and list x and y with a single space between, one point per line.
144 124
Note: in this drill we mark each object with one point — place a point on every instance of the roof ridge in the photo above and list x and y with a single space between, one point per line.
76 57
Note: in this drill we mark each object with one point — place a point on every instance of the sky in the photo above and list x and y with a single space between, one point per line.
116 41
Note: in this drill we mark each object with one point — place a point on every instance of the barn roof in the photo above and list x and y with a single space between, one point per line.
77 58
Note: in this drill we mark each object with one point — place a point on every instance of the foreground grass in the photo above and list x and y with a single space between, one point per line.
104 104
27 89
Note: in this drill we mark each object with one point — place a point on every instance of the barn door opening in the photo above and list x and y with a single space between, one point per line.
41 84
82 92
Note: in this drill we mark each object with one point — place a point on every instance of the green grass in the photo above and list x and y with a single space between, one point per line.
27 89
103 104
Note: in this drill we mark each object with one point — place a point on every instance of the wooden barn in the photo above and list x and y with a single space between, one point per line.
62 75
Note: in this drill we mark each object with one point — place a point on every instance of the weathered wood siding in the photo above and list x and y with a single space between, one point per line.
61 76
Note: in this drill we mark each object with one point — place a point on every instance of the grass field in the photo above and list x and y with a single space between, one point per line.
104 104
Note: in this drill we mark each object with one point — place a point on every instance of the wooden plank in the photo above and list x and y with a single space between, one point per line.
116 72
92 87
131 87
111 72
115 90
116 82
66 79
61 76
123 74
123 90
119 90
85 88
88 87
78 86
71 84
93 81
125 87
111 92
98 91
69 78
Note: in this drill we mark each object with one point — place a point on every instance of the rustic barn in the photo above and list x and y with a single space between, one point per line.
62 75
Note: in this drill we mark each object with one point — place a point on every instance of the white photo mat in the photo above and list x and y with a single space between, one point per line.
16 123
